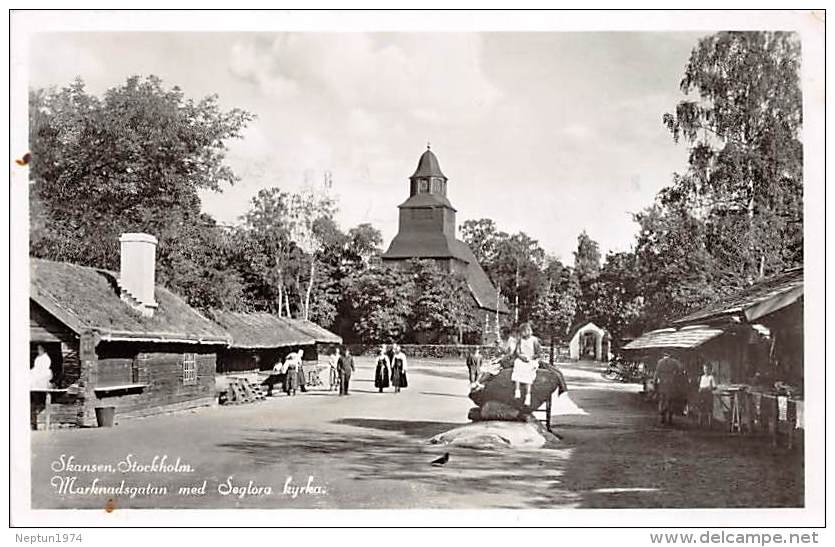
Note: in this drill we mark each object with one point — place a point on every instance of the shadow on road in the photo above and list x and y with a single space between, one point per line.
422 430
471 478
623 458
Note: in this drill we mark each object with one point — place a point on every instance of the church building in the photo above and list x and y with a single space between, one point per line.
427 231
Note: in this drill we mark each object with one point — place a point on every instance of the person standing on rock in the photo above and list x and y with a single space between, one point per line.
669 384
398 370
528 349
474 362
381 373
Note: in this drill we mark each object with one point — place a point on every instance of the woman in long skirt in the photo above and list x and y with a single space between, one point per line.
291 376
381 374
302 377
398 370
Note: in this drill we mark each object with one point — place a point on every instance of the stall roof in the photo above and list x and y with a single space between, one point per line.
684 338
762 298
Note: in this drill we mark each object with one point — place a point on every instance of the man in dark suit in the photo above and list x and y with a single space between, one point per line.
669 380
345 367
474 364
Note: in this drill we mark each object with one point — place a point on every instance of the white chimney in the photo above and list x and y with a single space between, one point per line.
137 273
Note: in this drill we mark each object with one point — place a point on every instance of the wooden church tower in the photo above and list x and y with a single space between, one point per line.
427 231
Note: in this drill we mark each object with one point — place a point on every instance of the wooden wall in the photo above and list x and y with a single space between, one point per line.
160 367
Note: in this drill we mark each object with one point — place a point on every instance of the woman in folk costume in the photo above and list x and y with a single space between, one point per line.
300 365
398 370
291 373
528 349
381 374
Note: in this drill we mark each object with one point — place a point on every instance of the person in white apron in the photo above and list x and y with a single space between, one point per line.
526 362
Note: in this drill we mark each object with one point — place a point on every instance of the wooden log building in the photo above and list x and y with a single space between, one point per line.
427 232
118 340
259 340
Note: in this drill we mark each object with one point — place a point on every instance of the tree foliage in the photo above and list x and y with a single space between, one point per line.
556 305
745 175
132 160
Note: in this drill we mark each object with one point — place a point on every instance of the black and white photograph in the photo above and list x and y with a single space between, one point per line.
504 261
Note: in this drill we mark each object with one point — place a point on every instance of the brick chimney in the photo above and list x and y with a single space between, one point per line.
137 272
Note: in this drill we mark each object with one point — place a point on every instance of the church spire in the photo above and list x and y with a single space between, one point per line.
428 166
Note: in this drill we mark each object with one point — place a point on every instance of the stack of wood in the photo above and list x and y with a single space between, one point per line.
241 391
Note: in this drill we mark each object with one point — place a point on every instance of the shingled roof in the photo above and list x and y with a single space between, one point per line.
480 285
684 338
761 298
255 330
259 330
428 166
84 299
421 201
317 332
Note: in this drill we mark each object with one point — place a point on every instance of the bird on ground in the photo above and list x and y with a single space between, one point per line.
441 461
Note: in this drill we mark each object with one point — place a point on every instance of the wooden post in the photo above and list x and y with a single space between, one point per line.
87 378
776 421
47 404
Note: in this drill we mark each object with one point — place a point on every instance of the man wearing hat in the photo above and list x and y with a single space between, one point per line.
669 383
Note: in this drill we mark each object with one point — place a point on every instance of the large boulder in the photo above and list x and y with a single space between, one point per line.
497 434
497 410
500 388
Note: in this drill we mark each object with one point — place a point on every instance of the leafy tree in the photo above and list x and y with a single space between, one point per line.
586 259
443 307
364 245
517 269
615 298
311 222
556 304
381 300
483 238
132 160
266 239
745 176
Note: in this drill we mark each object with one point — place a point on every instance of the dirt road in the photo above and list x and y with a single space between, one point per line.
369 450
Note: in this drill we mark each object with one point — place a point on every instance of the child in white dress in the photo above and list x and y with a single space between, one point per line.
526 362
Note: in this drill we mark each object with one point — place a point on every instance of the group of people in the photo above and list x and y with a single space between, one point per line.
390 369
672 386
290 373
522 351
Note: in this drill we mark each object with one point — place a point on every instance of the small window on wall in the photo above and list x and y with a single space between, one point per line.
189 369
423 186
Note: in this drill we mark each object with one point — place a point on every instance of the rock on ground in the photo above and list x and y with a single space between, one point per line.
502 389
497 434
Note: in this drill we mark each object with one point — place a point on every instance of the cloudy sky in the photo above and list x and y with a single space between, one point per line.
547 133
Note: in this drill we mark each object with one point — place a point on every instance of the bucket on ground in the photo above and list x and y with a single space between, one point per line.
105 415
